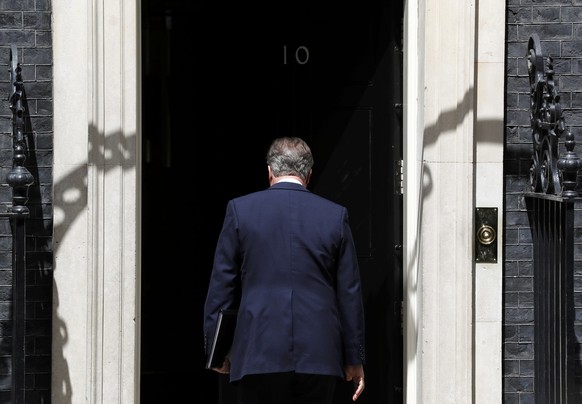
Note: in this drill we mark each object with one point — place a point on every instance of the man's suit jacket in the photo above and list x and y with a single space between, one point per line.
300 305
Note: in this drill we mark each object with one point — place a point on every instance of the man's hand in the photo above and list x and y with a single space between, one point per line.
225 368
356 373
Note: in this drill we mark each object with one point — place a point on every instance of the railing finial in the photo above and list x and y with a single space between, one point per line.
19 178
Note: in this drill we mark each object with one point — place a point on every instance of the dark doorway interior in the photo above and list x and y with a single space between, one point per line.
219 83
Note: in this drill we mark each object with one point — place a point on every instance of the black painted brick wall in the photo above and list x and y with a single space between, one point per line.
27 24
559 26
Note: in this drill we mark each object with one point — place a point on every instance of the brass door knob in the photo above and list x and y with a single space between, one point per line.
486 234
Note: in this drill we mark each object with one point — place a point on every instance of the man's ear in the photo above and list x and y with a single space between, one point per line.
308 177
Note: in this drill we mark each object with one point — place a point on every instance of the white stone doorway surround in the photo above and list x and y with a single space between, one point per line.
453 138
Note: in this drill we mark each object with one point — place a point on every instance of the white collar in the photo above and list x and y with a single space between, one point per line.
289 179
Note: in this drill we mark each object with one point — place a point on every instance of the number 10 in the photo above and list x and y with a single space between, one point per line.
301 55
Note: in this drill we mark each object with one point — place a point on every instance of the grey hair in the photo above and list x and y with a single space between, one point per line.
290 156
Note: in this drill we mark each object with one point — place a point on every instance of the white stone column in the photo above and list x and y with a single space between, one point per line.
96 201
440 155
489 192
446 223
453 145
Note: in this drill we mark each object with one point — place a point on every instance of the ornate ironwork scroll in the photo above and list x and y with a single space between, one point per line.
550 173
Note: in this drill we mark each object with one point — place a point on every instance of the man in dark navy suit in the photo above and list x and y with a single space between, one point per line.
286 259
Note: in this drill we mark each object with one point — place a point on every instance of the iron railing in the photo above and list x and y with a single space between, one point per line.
550 205
19 179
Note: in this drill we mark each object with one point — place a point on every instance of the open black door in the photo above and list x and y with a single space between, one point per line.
326 71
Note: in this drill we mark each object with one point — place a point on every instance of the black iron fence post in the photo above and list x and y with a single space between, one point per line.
19 178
